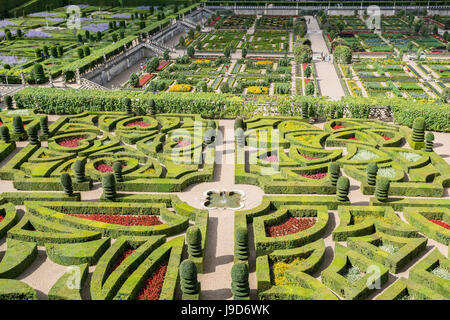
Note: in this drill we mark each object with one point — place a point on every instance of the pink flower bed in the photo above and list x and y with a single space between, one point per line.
145 78
308 157
162 65
272 158
70 143
121 219
104 168
315 176
182 143
138 124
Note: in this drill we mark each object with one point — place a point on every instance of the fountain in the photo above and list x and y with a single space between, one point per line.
215 199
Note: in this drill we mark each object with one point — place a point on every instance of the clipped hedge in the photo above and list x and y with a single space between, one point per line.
419 218
77 253
62 289
18 257
16 290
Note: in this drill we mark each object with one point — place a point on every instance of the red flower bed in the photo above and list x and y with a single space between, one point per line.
337 127
272 158
182 143
386 138
162 65
353 139
145 78
307 80
123 257
440 38
215 20
290 226
104 168
441 223
1 218
308 157
329 38
153 286
305 65
316 176
1 123
121 219
70 143
138 124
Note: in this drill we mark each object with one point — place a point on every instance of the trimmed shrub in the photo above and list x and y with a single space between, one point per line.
211 124
109 186
239 123
382 189
343 187
44 125
429 139
372 170
33 136
418 133
241 248
188 274
210 136
4 134
239 281
127 103
18 126
79 167
151 107
117 167
305 113
66 182
240 137
194 241
8 101
334 171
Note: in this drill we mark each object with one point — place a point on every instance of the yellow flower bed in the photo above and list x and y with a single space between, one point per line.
258 90
204 61
281 267
264 62
180 88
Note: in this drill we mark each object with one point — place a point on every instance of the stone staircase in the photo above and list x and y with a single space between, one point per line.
88 84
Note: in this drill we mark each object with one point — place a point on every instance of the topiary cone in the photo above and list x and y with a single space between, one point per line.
194 241
18 125
44 125
188 277
127 103
151 107
4 133
33 136
211 124
240 137
418 134
79 167
343 187
109 186
334 171
117 168
239 123
66 182
372 170
305 109
239 280
382 189
241 247
429 142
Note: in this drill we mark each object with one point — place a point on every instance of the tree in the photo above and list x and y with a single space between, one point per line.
8 35
99 36
60 51
80 53
227 52
191 34
109 186
343 55
310 89
308 71
54 52
343 187
181 42
134 80
244 53
166 55
191 51
194 241
152 64
66 182
198 28
87 51
39 73
303 54
37 52
445 95
79 38
114 37
8 101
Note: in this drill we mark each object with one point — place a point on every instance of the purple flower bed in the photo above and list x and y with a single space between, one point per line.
144 7
2 33
82 6
5 23
12 60
88 19
55 19
37 34
42 14
96 27
121 16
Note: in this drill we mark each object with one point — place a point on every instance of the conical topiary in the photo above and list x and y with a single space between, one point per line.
382 189
66 182
109 186
333 113
240 137
194 241
18 125
44 125
305 111
33 136
188 277
343 187
372 170
239 123
79 167
211 124
334 171
127 103
239 281
151 107
241 251
429 142
117 168
418 134
4 133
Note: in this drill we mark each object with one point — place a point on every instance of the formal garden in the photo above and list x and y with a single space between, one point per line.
220 168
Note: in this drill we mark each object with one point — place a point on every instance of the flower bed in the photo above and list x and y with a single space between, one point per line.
104 168
182 143
70 143
315 176
124 220
153 286
138 124
145 78
292 225
337 127
257 90
309 157
272 158
441 223
279 270
163 65
180 88
265 62
123 257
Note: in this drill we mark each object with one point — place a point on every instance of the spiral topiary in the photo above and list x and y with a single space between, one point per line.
334 171
4 133
33 136
66 182
79 167
241 251
343 187
239 123
305 109
333 113
188 278
372 170
429 142
109 186
239 280
44 125
240 137
117 168
194 241
418 133
18 125
382 189
127 103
